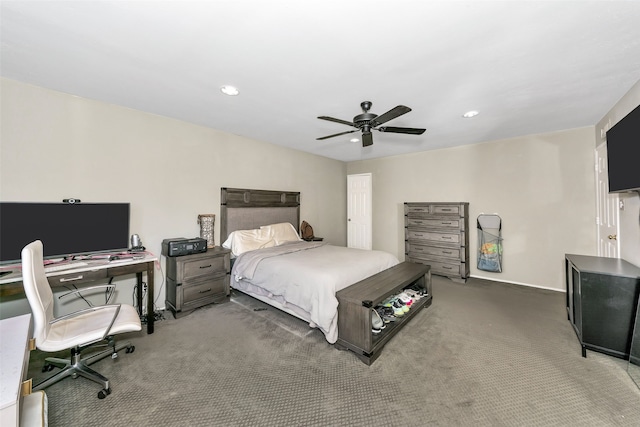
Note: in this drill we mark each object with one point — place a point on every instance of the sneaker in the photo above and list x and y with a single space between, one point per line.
412 294
381 313
422 292
397 309
376 321
405 299
401 306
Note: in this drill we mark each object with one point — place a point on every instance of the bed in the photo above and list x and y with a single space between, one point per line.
272 264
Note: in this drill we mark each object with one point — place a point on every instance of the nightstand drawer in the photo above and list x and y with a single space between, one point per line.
202 267
204 288
215 260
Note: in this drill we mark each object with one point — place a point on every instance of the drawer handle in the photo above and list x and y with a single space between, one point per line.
419 235
447 237
447 252
205 266
447 268
418 222
71 279
204 292
446 223
446 210
418 249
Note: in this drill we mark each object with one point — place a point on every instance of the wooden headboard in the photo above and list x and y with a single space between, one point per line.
245 209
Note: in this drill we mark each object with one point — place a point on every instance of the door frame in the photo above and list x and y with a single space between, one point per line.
607 208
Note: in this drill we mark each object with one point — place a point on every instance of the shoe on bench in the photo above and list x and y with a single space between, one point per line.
376 322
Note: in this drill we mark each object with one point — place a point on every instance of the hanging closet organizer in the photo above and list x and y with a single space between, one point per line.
490 243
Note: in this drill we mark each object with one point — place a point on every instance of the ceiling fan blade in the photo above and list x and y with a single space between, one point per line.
412 131
392 114
332 119
367 139
337 134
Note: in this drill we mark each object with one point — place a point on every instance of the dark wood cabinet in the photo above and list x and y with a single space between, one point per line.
198 279
602 299
437 234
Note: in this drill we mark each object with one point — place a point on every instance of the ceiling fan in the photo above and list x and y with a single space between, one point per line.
366 122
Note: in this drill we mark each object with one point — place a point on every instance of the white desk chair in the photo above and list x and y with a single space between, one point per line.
75 331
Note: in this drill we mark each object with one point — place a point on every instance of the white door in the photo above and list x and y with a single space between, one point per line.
359 216
607 219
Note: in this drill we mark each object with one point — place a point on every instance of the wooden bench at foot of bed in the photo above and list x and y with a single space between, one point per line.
357 300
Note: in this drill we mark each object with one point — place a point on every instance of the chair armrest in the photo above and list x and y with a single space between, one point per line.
115 307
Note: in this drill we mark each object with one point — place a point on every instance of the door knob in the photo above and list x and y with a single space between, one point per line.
612 237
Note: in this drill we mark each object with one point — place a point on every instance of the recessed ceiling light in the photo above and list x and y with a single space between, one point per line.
229 90
354 140
470 114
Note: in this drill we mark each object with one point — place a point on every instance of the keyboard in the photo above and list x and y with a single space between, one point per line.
66 266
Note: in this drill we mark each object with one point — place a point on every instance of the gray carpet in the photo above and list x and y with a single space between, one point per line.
484 354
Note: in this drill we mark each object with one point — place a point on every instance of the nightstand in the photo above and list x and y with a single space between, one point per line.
197 280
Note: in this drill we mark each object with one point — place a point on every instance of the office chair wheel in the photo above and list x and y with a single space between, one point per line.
104 393
47 368
130 349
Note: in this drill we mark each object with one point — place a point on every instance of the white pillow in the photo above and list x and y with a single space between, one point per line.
241 241
282 233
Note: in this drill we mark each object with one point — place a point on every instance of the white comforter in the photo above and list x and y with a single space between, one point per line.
305 276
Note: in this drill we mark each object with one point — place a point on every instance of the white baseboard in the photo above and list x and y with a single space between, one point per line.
519 283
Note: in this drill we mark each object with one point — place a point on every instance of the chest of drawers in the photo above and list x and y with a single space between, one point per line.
437 234
198 279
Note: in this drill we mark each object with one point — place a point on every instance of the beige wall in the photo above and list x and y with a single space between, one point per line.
629 234
55 146
541 185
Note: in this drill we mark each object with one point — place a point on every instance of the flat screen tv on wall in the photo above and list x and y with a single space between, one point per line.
64 229
623 153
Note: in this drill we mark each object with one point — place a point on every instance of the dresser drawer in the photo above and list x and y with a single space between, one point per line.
441 267
446 209
204 288
436 237
454 224
434 209
433 251
418 209
79 277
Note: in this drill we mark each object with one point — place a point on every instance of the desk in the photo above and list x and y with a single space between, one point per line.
14 355
11 284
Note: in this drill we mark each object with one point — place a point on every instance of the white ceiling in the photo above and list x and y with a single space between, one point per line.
527 66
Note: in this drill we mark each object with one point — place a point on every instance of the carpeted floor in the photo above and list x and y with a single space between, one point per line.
484 354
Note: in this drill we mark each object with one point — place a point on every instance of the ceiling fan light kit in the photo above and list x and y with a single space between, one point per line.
366 122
